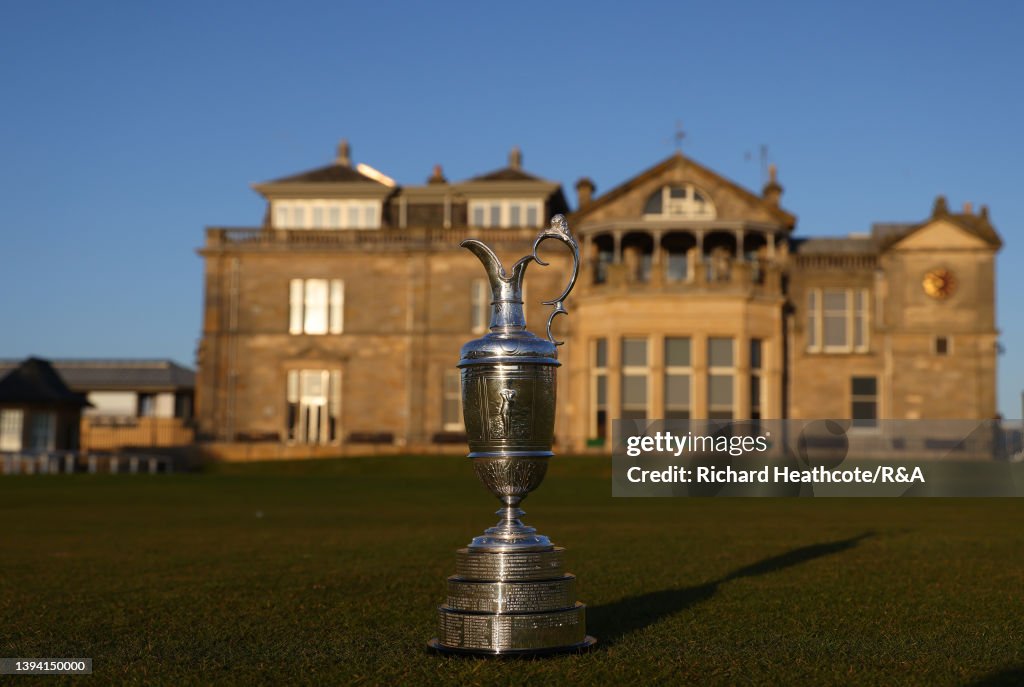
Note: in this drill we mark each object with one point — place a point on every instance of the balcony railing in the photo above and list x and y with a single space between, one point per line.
413 238
758 277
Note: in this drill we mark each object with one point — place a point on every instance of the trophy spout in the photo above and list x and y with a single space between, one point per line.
506 289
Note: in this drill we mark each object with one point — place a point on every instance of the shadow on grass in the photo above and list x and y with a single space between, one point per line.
615 621
1009 677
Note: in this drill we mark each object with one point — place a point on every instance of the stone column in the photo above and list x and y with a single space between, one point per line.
699 353
656 376
741 404
614 372
657 262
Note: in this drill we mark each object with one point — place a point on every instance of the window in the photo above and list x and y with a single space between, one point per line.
756 380
451 408
864 401
10 429
721 376
685 201
42 433
505 213
837 320
314 402
326 214
678 378
941 345
146 405
479 306
317 306
634 379
599 393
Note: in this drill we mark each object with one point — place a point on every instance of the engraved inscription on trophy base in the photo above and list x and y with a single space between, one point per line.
519 603
495 633
512 597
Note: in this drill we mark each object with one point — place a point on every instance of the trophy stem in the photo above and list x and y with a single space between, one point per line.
510 534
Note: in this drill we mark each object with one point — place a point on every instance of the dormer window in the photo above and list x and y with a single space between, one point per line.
505 213
682 201
327 214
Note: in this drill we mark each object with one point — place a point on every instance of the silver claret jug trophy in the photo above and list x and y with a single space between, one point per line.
510 594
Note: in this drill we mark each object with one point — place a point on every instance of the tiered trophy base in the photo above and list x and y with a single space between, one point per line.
511 604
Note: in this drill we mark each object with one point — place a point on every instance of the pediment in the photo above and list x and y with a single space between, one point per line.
940 234
730 200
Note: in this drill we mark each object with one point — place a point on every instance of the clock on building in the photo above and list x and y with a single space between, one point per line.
939 283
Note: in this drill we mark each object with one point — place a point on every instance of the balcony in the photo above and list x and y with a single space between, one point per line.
743 261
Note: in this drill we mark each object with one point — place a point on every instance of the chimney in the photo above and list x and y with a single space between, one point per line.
584 192
515 158
983 212
437 177
772 191
968 208
344 154
940 208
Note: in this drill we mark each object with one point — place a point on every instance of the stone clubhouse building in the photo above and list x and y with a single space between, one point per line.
335 325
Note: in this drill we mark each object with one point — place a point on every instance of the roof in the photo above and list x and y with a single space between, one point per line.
507 174
114 374
849 245
333 173
35 381
676 158
886 234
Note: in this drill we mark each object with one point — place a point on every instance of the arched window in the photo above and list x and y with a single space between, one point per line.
680 200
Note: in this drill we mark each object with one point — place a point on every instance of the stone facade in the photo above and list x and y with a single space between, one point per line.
335 326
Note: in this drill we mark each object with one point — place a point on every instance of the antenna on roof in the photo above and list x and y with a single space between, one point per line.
678 136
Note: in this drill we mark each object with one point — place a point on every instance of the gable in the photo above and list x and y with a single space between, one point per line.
940 234
730 200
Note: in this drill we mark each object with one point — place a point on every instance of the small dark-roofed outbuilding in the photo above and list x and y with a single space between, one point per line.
38 411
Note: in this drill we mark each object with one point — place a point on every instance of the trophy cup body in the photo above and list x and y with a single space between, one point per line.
510 594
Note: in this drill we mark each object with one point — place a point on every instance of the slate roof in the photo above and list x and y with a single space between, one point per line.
95 375
333 173
35 381
507 174
849 245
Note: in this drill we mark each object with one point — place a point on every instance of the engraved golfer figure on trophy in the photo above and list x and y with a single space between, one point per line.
508 397
510 594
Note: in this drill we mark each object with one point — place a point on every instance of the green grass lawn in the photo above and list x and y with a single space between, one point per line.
329 572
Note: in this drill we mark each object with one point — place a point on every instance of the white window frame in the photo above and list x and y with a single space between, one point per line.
332 214
876 399
678 370
687 207
300 315
479 306
483 207
635 371
331 378
721 370
12 429
451 389
816 320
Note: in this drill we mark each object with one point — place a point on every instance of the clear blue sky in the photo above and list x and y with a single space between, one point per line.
129 127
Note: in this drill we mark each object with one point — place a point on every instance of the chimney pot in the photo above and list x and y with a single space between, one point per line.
515 158
344 153
584 192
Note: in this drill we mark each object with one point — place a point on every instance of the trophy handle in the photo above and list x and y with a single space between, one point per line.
559 229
